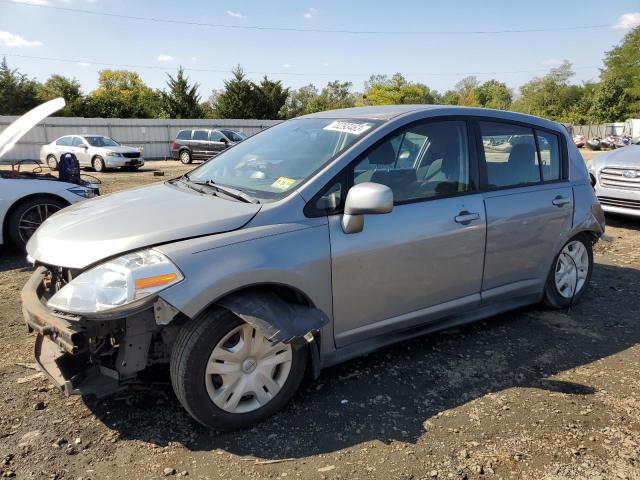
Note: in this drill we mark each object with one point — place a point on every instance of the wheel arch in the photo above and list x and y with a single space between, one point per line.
283 312
20 201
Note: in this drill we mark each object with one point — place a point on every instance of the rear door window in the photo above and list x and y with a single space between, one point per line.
64 141
510 155
200 135
184 135
216 136
77 142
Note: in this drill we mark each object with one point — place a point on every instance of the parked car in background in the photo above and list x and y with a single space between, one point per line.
315 241
579 140
202 144
94 151
615 176
27 199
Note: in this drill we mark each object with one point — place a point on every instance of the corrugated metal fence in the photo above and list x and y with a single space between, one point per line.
154 135
597 130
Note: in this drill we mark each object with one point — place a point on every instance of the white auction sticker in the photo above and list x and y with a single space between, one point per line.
348 127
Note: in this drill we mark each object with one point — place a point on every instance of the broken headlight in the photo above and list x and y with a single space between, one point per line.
117 282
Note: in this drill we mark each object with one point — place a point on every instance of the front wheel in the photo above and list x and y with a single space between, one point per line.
98 164
28 216
570 273
227 375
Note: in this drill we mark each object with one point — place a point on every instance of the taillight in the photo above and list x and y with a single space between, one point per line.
173 145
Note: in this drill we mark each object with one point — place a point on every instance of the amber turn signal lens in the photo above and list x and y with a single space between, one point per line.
155 281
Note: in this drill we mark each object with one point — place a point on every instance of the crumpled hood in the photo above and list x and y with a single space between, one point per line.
90 231
628 156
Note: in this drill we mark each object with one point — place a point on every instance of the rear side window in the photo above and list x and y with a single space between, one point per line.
200 135
216 136
77 142
184 135
64 141
510 155
549 155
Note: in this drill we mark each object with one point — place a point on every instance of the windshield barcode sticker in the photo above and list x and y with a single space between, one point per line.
348 127
283 183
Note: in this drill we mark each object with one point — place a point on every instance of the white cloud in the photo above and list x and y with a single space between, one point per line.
84 64
627 20
8 39
309 13
165 58
33 2
193 59
551 62
236 14
286 65
325 64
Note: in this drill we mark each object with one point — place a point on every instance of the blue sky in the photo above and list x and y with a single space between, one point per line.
299 58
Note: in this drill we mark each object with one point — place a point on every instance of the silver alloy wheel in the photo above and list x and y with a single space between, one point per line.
245 371
98 164
33 217
572 269
184 156
52 162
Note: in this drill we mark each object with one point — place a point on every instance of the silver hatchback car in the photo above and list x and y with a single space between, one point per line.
318 240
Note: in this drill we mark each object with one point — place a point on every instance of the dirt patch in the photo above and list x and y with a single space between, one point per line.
529 394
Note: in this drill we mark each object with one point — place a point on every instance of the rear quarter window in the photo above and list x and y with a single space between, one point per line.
184 135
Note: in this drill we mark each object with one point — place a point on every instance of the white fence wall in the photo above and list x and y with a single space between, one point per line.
155 135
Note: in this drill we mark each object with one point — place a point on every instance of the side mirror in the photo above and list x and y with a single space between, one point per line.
365 199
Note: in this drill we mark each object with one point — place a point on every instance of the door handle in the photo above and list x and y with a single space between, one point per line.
560 201
465 217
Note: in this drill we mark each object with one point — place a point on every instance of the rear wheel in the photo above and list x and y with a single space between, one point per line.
98 164
227 375
185 156
570 273
28 216
52 162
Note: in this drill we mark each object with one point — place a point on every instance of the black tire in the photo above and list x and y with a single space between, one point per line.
552 297
52 162
185 157
20 236
98 164
189 357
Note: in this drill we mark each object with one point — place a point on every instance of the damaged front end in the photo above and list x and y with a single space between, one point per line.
94 355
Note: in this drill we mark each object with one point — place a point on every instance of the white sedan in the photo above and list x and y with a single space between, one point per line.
27 202
95 151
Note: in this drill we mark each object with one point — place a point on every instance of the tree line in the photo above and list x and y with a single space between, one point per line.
615 96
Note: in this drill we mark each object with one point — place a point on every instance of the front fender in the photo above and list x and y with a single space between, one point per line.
291 255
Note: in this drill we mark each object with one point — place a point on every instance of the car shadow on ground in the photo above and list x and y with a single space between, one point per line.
13 259
388 395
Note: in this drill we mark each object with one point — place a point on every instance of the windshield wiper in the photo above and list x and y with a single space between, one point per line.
232 192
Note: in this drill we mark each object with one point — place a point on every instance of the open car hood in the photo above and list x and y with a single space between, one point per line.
26 122
103 227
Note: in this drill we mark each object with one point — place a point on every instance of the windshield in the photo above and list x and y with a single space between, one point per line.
271 163
233 136
100 141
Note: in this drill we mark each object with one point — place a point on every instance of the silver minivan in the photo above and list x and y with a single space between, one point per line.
316 241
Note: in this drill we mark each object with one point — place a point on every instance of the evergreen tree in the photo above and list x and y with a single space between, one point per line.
182 100
18 94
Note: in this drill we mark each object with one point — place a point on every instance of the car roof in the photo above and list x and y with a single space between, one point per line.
389 112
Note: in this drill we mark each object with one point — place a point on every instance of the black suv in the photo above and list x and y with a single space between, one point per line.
203 144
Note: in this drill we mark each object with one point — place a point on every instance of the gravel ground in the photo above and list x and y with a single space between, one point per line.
529 394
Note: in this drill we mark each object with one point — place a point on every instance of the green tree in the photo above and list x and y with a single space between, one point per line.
237 98
298 102
67 88
382 90
611 101
123 94
550 96
335 95
468 92
182 99
494 94
270 98
621 73
18 94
